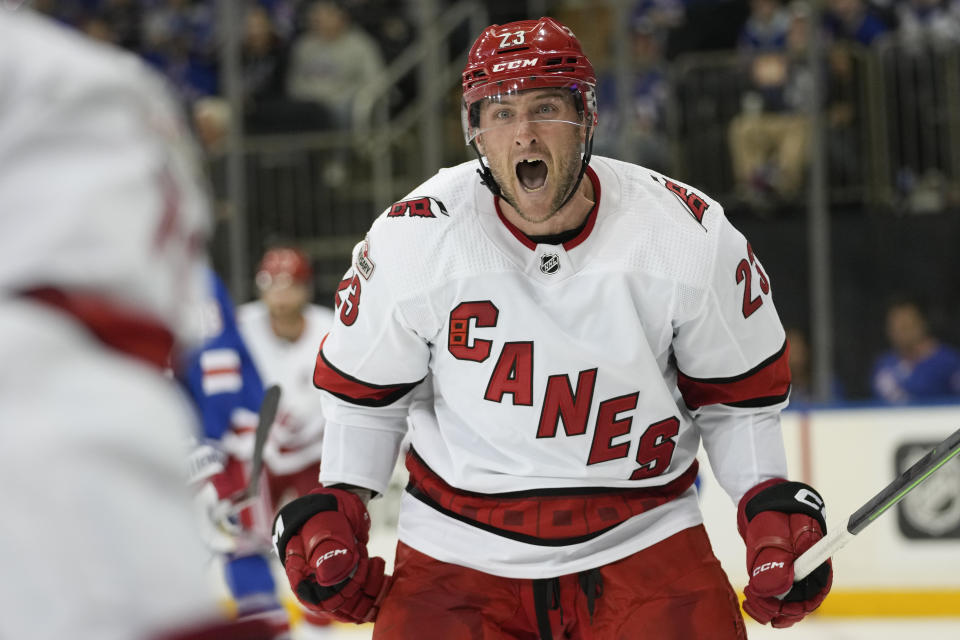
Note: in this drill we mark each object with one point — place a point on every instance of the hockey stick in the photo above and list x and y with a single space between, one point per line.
876 506
268 411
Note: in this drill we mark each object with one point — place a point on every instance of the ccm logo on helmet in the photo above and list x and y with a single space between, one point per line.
515 64
331 554
767 566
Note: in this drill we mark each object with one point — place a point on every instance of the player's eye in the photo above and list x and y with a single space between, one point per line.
502 114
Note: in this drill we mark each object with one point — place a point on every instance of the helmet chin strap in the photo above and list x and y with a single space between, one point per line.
486 176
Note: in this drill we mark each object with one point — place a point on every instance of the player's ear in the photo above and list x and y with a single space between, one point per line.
479 142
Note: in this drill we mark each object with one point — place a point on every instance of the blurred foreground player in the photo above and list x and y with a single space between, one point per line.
561 332
101 237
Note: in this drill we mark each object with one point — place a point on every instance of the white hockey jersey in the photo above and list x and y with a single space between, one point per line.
556 394
296 438
126 218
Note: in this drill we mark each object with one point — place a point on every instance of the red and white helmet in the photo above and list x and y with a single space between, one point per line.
283 266
522 55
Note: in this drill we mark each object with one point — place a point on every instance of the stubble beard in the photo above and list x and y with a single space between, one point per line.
567 170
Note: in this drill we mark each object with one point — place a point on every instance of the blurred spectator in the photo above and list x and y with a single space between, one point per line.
843 139
264 58
766 27
802 391
645 127
125 18
386 21
211 121
918 367
178 39
927 23
707 25
99 29
854 21
769 138
332 61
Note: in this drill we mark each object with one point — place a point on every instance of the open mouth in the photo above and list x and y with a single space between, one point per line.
532 174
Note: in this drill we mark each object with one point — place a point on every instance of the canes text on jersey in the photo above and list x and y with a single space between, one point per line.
512 376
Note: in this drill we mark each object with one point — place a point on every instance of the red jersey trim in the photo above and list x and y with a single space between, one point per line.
126 330
569 244
545 517
766 384
346 387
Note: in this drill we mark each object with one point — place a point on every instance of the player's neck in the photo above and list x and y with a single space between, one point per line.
570 216
288 327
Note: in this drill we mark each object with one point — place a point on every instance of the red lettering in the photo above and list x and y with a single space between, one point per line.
697 206
608 427
418 207
513 374
677 189
656 448
693 201
559 402
484 314
348 303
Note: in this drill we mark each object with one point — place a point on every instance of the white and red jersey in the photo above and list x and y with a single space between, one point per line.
296 438
100 197
102 231
556 393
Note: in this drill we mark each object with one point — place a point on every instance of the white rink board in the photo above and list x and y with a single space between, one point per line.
809 629
851 457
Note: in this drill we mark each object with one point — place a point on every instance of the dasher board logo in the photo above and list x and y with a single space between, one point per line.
549 263
932 510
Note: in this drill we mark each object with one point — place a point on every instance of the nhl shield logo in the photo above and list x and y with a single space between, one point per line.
549 263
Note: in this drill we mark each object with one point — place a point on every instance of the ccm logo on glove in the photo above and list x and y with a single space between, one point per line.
768 565
330 554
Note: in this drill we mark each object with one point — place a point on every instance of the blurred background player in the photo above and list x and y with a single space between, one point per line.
221 378
283 331
102 234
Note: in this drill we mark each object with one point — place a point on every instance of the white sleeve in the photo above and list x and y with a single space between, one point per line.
368 364
732 368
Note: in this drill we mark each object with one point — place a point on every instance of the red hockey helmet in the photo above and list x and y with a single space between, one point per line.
283 266
527 54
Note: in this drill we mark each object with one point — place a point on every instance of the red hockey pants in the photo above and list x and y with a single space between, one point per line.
674 590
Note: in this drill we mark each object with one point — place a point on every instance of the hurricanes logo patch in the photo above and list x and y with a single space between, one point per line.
693 201
549 263
426 207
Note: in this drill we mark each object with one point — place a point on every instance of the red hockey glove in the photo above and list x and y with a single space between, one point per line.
321 539
779 520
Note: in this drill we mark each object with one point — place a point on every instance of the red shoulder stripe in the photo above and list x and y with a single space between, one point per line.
766 384
345 387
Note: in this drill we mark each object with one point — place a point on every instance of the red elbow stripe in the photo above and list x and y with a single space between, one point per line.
345 387
766 384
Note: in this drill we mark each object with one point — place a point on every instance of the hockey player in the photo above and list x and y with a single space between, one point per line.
101 263
223 381
562 332
282 330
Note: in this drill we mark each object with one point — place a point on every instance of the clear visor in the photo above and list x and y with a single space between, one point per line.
539 100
